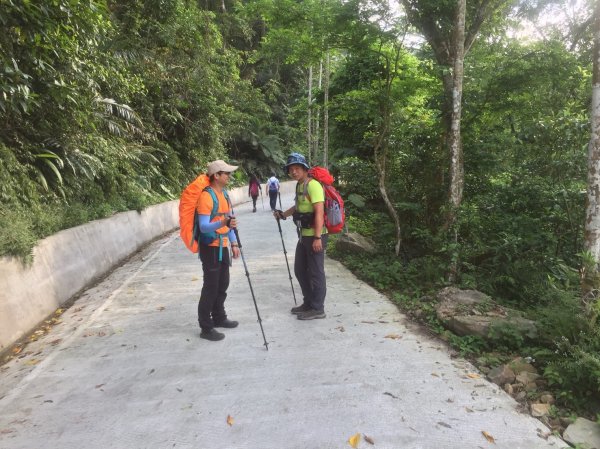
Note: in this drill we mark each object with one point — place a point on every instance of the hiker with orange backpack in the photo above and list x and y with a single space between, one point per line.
308 214
216 226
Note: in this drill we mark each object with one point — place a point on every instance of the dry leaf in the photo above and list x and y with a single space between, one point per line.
435 374
488 437
393 336
32 362
161 308
99 386
341 328
229 420
194 278
15 351
473 375
354 440
55 342
368 439
368 322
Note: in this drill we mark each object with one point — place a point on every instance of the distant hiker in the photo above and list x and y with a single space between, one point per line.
254 190
273 189
308 214
216 236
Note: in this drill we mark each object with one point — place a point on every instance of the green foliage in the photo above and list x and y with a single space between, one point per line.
467 345
115 107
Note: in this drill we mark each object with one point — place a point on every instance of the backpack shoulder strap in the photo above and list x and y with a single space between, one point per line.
215 208
306 195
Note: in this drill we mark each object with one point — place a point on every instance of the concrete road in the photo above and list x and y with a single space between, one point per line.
125 367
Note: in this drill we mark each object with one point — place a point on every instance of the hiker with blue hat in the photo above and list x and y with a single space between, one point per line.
308 215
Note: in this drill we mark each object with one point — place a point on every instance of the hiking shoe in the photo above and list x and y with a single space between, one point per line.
300 309
212 335
229 324
311 315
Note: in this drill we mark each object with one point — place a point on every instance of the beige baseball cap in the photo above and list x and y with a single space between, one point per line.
217 166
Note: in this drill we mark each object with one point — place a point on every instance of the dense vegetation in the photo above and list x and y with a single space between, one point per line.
115 105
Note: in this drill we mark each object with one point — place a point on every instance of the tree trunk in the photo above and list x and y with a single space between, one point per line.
380 147
381 162
454 142
591 280
326 114
317 127
454 139
309 118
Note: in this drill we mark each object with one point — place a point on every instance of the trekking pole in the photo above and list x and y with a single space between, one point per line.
237 235
286 259
262 200
279 195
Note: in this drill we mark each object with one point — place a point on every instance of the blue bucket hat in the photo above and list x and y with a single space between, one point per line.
296 158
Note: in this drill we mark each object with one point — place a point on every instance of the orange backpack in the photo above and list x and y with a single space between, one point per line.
187 211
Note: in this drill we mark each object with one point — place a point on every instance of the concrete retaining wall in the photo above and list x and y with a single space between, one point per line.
72 259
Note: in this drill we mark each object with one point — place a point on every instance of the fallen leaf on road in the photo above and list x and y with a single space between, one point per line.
341 328
368 439
488 437
99 386
368 322
435 374
229 420
473 375
354 440
194 278
393 336
55 342
443 424
15 351
161 308
32 362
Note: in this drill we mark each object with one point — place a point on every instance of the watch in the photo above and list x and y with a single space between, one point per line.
317 237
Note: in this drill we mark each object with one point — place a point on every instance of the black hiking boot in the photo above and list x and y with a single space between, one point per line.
300 309
229 324
311 315
212 335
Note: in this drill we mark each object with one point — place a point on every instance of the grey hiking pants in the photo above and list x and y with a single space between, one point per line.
309 268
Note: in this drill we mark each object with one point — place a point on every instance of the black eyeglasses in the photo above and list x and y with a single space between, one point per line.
225 173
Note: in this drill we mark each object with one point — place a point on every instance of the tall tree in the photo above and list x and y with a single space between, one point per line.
592 222
450 28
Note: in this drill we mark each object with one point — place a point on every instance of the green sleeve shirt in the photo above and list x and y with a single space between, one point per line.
315 194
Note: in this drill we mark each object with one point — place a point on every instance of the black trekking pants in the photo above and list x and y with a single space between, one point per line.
309 268
254 198
211 307
273 198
